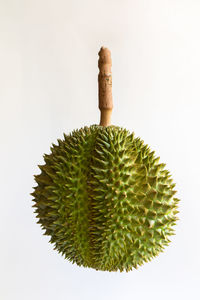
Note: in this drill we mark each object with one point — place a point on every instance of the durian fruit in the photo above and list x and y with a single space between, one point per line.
102 196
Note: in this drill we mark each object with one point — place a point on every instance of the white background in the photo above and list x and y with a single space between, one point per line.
48 85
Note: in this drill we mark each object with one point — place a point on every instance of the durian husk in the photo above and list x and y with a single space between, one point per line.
104 199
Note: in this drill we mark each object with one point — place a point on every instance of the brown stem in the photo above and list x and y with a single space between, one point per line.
105 86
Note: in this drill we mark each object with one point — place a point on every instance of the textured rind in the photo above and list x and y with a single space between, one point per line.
105 200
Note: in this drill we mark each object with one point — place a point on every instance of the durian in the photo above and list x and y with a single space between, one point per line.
102 196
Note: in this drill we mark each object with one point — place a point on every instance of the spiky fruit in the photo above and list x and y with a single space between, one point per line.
105 200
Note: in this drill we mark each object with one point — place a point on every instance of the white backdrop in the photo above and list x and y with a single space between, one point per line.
48 85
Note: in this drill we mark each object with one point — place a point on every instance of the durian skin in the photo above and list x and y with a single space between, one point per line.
105 200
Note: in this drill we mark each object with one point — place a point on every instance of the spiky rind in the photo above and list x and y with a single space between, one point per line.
105 200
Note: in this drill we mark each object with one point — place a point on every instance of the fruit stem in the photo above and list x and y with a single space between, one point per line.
105 86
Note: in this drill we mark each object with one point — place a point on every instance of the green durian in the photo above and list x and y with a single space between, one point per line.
105 199
102 196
